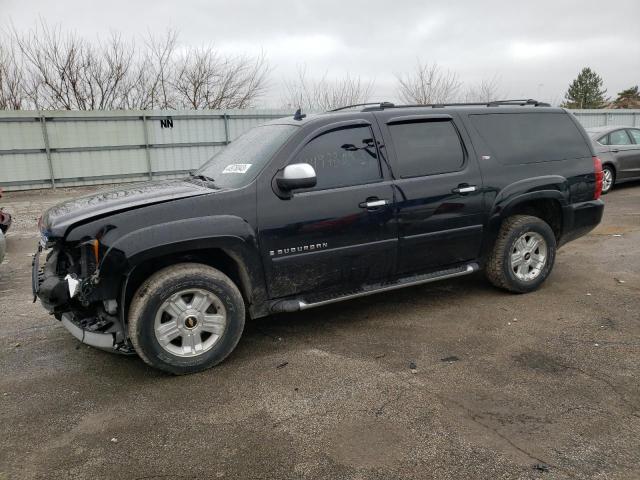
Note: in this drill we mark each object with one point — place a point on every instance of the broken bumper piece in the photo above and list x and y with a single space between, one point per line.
109 341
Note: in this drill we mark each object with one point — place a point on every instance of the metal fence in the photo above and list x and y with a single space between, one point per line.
600 118
49 149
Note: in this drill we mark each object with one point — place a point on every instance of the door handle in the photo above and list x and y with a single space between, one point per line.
463 189
615 150
373 203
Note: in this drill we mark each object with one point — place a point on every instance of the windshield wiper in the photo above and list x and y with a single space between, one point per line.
204 178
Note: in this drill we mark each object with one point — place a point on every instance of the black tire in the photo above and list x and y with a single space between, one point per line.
163 285
498 269
613 178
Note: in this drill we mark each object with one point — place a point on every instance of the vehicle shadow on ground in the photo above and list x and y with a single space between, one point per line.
299 330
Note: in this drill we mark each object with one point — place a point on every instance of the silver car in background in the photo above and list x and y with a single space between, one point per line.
619 149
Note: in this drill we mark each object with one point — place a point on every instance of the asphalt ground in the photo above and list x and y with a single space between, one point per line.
543 385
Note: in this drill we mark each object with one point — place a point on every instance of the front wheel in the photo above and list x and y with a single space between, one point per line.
186 318
523 255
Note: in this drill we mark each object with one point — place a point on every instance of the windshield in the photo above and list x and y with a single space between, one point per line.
239 163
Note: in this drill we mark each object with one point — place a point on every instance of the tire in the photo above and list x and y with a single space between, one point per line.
170 301
502 269
608 170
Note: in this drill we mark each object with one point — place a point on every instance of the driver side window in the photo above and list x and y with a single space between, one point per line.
342 157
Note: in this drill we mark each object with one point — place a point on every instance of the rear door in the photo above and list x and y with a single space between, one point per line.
438 190
340 234
622 148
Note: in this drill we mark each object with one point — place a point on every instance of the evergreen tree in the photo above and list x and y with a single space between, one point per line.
629 98
585 91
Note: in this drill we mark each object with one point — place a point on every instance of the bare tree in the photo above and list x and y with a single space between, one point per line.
64 71
487 90
148 83
428 84
46 68
205 79
159 58
12 94
325 94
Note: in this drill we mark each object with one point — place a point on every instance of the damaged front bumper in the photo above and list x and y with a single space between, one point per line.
85 330
88 322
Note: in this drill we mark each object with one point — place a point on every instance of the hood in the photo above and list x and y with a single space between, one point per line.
59 218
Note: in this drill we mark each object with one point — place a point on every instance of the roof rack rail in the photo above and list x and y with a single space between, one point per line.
380 105
495 103
520 102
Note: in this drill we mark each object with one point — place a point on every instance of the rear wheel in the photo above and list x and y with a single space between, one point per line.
186 318
523 255
608 178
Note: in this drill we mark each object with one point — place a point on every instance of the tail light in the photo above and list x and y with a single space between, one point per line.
597 169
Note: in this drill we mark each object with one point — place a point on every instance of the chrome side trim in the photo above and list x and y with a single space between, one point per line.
472 267
444 233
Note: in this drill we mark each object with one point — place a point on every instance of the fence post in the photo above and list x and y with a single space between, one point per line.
47 149
146 146
225 118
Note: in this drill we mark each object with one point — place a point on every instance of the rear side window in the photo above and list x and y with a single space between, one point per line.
343 157
619 137
426 148
517 138
604 140
635 134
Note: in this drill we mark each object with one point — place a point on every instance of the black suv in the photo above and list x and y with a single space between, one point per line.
306 211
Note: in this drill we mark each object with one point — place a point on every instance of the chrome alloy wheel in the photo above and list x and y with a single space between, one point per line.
190 322
607 179
528 256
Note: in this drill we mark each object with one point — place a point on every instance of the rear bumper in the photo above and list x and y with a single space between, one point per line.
580 219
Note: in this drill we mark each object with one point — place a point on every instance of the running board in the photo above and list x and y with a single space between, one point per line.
294 305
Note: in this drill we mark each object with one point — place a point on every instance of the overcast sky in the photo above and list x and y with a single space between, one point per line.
535 48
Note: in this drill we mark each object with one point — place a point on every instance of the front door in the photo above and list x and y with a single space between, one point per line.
339 234
625 152
439 191
633 159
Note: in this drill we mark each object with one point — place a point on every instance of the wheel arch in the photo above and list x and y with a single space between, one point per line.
546 204
225 243
226 261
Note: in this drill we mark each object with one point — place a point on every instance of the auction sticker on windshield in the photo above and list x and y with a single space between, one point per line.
237 168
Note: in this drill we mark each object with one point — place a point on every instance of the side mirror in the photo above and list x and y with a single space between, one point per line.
297 175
